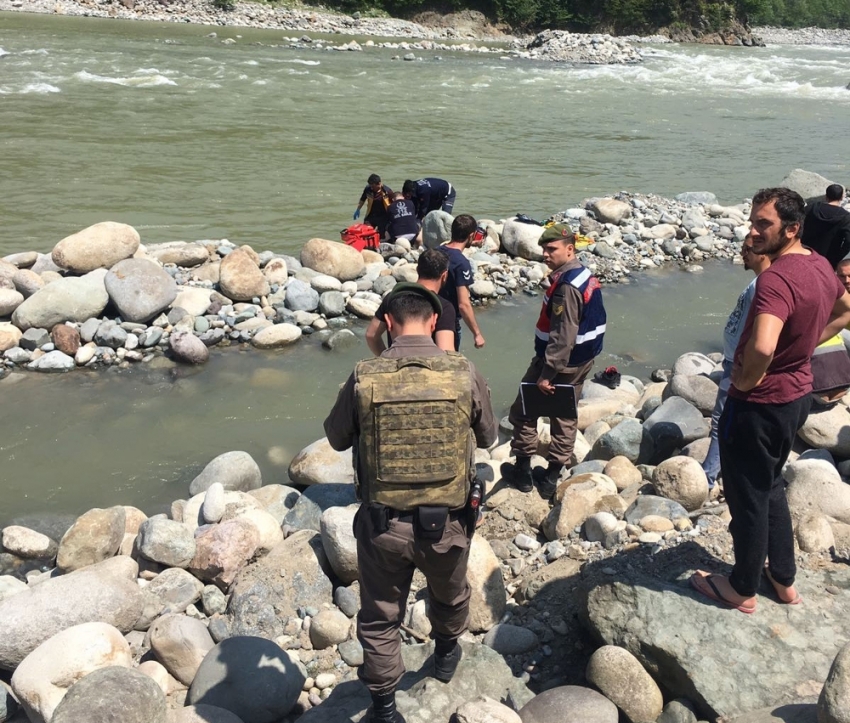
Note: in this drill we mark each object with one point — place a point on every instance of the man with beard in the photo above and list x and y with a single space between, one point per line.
798 304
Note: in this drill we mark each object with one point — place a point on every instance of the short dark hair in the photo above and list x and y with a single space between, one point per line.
790 206
409 187
373 179
834 192
406 307
432 264
463 226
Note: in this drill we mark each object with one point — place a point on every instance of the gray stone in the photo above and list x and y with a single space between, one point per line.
673 425
436 229
113 694
339 543
677 711
33 339
569 704
510 639
622 679
277 500
383 284
828 430
351 651
806 183
180 643
188 348
332 304
53 361
307 512
94 537
140 289
106 592
834 701
329 627
165 541
692 363
251 677
695 197
172 591
793 713
301 296
521 239
318 463
696 389
650 505
234 470
611 210
628 439
213 600
347 599
111 335
240 275
333 258
150 337
9 301
342 339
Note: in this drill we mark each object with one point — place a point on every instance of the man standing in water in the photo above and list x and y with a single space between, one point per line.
798 303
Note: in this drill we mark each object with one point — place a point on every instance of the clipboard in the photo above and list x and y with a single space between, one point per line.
537 404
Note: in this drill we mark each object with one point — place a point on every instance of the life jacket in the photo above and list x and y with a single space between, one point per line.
361 236
416 445
591 327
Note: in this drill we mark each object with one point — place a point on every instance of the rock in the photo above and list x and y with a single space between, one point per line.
180 643
195 301
628 439
301 296
483 289
816 488
71 299
290 577
683 480
307 511
486 710
10 586
110 334
806 183
677 711
179 253
339 543
436 229
140 289
673 425
569 704
342 339
834 701
214 505
521 239
488 602
329 627
222 550
66 339
113 694
693 363
241 278
277 500
44 676
34 339
276 271
622 679
675 633
319 463
234 470
172 591
9 301
97 247
277 336
363 308
579 497
27 543
698 390
106 592
165 541
623 472
332 304
510 639
610 210
800 713
599 525
267 526
204 714
188 348
232 678
814 534
827 430
22 260
94 537
10 335
333 258
694 197
8 704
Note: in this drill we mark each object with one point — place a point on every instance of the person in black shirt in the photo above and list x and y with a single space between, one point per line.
826 228
378 197
403 222
430 194
461 277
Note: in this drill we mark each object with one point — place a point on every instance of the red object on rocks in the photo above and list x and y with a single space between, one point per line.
361 236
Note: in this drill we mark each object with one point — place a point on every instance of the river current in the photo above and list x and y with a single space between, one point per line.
185 137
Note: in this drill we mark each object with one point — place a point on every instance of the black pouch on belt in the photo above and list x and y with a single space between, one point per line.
380 517
429 523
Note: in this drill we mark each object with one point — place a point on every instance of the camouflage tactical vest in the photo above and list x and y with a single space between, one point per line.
416 445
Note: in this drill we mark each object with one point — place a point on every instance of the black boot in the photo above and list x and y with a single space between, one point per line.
549 481
519 474
447 655
384 710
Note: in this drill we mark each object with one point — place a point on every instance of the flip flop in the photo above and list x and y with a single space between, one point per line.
714 593
796 601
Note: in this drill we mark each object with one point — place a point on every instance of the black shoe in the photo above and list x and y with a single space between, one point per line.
519 474
548 484
609 378
445 663
384 710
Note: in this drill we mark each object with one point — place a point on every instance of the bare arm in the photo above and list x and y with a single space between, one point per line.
445 340
468 315
375 336
838 319
758 352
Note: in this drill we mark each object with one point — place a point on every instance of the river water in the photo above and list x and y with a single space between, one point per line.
185 137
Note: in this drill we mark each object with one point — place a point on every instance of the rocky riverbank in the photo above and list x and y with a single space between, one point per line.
239 604
803 36
101 298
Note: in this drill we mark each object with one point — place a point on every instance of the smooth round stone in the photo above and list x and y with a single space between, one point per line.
274 337
323 282
113 694
27 543
510 639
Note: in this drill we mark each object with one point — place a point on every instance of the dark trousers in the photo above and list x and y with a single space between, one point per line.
563 429
755 440
386 562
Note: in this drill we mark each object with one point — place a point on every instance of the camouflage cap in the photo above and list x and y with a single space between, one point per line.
558 232
410 287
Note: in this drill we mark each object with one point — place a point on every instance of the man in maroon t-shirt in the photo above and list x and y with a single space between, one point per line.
798 304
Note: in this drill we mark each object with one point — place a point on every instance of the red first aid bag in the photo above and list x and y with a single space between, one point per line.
361 236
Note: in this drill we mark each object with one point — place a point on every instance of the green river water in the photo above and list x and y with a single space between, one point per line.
185 137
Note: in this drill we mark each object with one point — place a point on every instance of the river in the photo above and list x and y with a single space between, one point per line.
184 137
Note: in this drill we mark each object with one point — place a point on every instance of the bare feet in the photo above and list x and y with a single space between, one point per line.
787 595
719 589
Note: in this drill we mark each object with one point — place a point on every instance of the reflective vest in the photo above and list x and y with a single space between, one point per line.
416 445
591 327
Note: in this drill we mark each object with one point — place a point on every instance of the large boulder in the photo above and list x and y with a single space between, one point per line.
834 702
113 694
106 592
94 537
693 363
97 247
436 229
234 470
307 511
696 389
488 601
521 239
241 278
44 676
829 430
628 439
140 289
623 680
673 425
301 296
578 498
611 210
71 299
815 488
807 183
319 463
683 480
569 704
180 643
339 542
333 258
222 550
249 676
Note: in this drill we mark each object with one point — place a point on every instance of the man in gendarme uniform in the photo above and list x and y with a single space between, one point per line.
414 417
567 339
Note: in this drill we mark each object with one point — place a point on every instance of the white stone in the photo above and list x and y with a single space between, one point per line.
274 337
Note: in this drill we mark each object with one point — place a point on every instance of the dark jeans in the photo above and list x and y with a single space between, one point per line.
755 440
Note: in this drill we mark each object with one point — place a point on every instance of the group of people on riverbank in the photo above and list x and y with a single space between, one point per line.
415 415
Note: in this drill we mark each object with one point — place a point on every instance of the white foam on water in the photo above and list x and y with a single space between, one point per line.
35 51
299 61
260 82
250 62
292 71
3 52
40 89
139 81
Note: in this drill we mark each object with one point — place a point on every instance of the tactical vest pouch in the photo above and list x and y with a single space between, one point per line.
429 523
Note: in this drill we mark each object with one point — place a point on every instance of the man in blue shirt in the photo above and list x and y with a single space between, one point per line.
456 289
430 194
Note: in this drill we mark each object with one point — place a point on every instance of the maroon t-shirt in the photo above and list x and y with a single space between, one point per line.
801 290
